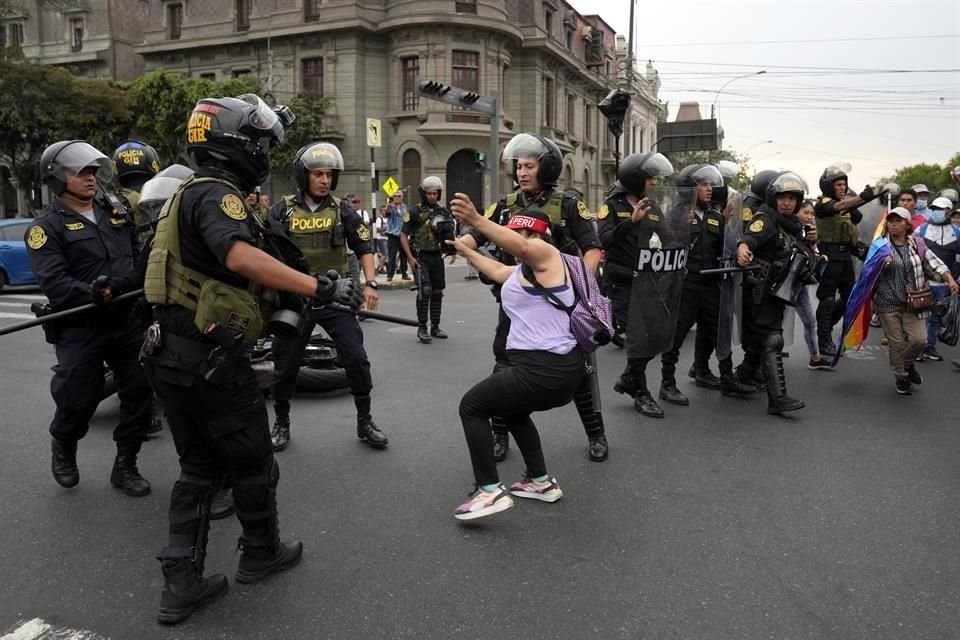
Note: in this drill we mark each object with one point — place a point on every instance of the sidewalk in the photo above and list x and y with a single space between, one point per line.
400 283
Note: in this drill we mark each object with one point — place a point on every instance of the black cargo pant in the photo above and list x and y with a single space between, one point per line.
699 305
77 383
838 278
431 279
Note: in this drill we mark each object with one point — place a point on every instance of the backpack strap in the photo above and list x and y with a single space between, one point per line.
549 296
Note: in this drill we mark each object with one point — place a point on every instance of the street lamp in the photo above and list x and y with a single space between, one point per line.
747 150
713 107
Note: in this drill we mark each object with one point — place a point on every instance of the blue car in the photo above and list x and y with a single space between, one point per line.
14 263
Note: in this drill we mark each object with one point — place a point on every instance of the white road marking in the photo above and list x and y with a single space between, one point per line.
14 304
37 629
24 296
22 316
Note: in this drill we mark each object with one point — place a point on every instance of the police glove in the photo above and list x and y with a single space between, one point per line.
867 194
100 292
333 288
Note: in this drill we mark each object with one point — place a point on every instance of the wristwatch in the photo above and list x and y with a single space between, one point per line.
372 284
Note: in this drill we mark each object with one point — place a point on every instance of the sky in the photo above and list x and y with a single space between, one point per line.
827 94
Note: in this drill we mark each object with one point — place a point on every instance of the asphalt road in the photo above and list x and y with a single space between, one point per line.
716 522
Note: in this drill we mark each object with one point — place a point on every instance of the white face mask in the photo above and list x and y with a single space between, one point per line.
921 203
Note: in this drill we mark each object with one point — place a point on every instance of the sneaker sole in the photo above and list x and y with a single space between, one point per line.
500 505
551 496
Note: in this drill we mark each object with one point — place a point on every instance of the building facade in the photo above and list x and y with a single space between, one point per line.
548 65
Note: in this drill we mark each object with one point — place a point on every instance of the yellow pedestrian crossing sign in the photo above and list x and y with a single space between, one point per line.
389 186
374 132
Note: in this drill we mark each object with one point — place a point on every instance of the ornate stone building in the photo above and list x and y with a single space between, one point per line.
548 64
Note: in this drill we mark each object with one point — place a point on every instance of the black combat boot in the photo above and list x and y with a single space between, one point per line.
125 475
423 335
64 463
436 304
730 384
778 402
625 385
368 431
437 332
704 377
668 390
280 435
501 445
184 591
598 448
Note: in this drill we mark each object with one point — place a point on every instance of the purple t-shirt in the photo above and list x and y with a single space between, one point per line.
535 324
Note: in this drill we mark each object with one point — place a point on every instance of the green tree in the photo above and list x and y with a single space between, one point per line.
40 105
741 182
309 127
163 101
935 176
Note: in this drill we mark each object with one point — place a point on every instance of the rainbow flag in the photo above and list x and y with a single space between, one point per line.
856 319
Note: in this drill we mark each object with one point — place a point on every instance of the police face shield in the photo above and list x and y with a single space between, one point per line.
657 166
664 240
176 171
322 156
264 118
728 169
76 157
159 189
789 183
523 146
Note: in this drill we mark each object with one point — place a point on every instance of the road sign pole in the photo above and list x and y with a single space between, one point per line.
373 183
493 161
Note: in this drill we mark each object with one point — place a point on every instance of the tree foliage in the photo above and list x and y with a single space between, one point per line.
163 102
934 176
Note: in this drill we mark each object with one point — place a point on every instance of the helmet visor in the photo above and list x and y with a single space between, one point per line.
159 188
177 171
657 166
728 169
789 182
707 174
77 156
838 170
431 182
523 145
322 156
263 118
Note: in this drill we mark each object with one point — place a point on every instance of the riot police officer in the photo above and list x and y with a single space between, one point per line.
770 241
134 163
323 226
837 217
425 227
535 163
206 277
82 247
627 222
700 300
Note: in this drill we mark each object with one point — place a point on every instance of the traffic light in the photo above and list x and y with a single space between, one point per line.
479 161
614 108
456 96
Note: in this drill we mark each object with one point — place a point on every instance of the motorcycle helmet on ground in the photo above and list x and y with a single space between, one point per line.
73 156
317 155
540 148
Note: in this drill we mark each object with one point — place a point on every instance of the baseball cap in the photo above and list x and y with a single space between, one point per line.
533 219
899 212
920 188
942 203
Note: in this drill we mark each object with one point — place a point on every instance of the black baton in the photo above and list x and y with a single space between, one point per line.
65 313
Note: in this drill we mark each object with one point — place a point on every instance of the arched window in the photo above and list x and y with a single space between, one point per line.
568 177
410 171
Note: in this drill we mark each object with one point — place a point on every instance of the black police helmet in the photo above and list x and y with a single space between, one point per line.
317 155
786 182
637 168
545 150
830 175
73 156
428 183
236 134
135 158
951 195
760 182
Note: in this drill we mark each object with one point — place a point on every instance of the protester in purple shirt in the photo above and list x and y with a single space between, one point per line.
546 366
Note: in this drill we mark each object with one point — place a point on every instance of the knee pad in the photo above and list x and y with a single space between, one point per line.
427 291
773 341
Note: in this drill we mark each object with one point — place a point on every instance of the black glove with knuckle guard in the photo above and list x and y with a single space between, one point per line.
333 288
867 194
97 287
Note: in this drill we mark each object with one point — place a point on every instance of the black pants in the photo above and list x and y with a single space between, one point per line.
699 305
533 381
77 382
763 318
393 249
431 280
221 432
838 277
345 331
619 293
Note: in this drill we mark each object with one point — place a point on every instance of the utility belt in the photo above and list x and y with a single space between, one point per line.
52 330
617 273
760 279
211 362
835 251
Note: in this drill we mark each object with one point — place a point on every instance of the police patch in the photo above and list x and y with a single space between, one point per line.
824 200
37 238
583 210
756 226
603 213
74 226
713 221
363 233
233 206
747 214
489 212
406 217
653 217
